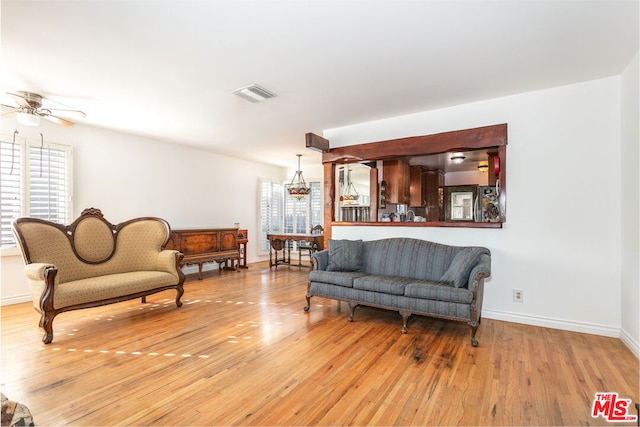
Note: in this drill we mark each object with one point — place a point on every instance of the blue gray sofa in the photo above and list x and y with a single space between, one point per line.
408 275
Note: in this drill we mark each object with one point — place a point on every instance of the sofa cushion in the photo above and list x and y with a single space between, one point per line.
439 291
345 255
341 278
385 284
105 287
462 264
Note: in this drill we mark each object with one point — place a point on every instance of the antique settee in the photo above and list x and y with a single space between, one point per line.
92 262
408 275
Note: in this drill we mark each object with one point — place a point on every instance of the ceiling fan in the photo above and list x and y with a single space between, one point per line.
29 110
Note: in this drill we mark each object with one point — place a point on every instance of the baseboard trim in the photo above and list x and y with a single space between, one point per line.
630 342
548 322
15 299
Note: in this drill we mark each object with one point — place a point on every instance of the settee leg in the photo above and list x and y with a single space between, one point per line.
180 290
405 318
308 306
46 321
474 328
352 310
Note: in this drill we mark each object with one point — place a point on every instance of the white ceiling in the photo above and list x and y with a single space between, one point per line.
167 69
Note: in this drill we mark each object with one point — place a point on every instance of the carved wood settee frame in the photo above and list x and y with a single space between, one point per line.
66 264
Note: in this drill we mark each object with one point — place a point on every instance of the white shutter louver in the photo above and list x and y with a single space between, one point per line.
35 181
48 184
270 211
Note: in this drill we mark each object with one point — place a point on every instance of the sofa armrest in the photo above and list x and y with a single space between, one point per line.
167 262
321 259
481 270
37 270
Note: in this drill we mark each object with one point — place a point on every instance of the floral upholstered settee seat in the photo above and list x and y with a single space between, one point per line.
92 262
15 414
408 275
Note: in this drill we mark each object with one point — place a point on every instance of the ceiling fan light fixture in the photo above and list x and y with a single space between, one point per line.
254 93
28 119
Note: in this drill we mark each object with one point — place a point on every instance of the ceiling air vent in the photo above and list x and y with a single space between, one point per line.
254 93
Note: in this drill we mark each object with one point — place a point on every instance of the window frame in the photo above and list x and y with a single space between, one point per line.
30 148
288 205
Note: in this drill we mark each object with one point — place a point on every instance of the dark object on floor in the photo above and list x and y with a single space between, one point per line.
15 414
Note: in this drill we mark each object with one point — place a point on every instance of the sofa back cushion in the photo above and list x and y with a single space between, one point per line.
458 272
407 257
345 255
93 239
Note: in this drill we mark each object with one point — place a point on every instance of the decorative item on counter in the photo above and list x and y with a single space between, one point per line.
383 194
489 207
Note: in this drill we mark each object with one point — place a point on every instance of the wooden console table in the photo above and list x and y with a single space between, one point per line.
206 245
278 242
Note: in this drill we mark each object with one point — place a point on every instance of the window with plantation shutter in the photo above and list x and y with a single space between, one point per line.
282 213
36 182
315 209
11 185
271 210
301 215
48 183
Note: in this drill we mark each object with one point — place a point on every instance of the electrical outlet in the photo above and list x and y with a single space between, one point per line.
518 295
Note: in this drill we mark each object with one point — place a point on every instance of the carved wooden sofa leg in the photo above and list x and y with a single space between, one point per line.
352 309
405 318
180 292
474 329
46 322
308 296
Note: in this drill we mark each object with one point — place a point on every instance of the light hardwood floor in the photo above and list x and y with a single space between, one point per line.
241 351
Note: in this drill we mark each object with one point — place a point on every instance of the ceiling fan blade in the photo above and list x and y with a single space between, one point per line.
56 120
13 107
64 110
20 100
10 114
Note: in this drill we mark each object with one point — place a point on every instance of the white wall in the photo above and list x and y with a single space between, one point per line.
561 244
630 189
128 176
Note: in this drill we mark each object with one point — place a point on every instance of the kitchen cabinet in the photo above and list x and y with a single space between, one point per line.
417 186
396 174
434 202
425 191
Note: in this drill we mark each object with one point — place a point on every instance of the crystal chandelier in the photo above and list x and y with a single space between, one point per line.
298 187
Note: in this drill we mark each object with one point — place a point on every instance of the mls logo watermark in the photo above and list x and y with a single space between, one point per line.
612 408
